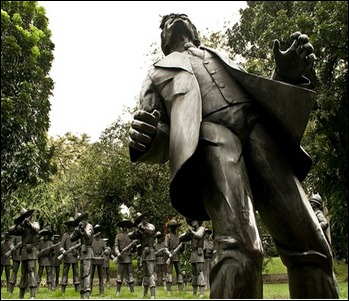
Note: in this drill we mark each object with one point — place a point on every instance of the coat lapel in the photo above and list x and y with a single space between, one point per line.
175 60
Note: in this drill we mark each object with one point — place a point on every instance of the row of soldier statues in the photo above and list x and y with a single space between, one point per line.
82 245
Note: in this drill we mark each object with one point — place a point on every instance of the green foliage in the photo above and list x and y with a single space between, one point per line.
26 57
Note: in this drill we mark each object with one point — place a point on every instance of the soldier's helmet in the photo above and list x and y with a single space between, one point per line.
138 218
173 223
23 214
70 222
97 229
316 198
190 220
158 234
125 223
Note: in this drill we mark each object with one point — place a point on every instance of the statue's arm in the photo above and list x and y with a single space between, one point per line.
149 132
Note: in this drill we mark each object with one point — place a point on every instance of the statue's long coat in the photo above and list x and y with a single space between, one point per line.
171 87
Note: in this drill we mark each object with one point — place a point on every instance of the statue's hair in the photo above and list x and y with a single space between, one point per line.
164 46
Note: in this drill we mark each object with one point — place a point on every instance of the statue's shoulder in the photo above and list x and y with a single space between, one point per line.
174 60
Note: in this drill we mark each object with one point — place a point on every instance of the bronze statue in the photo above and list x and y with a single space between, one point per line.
55 262
196 235
145 233
233 142
69 258
45 257
99 249
316 203
123 251
208 254
160 259
16 243
173 249
6 259
28 229
84 231
106 258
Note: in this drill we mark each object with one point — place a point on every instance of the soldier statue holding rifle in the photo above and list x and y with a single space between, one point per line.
29 230
173 247
123 251
45 248
145 233
69 256
84 231
160 259
196 234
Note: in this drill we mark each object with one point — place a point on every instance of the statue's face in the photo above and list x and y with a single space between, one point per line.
175 27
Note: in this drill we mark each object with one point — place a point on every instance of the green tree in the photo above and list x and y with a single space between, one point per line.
26 57
56 200
112 180
326 136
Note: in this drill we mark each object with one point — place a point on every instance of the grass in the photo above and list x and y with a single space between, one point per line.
271 291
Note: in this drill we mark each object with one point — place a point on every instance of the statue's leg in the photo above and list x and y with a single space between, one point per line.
286 211
13 277
130 278
236 269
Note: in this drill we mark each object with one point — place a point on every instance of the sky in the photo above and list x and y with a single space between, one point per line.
100 56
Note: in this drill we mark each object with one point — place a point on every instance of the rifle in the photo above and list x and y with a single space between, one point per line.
100 257
60 257
17 246
129 246
115 259
175 251
159 251
47 249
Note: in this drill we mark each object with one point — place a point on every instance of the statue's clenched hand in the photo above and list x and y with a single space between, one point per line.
143 129
291 63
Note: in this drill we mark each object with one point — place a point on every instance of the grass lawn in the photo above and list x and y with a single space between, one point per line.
271 291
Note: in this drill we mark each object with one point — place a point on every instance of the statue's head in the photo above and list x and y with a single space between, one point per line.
174 27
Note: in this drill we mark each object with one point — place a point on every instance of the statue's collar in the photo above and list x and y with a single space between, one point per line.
175 60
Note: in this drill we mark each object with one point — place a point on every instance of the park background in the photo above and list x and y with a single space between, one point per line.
62 175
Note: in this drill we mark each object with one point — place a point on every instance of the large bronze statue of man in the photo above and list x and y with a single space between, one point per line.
232 139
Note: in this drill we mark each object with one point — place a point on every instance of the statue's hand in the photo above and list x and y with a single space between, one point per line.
143 129
291 63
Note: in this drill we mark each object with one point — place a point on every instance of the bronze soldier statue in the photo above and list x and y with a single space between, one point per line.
196 235
28 229
145 233
173 248
123 251
55 262
70 258
208 254
6 259
160 259
16 242
84 231
99 248
45 257
106 258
